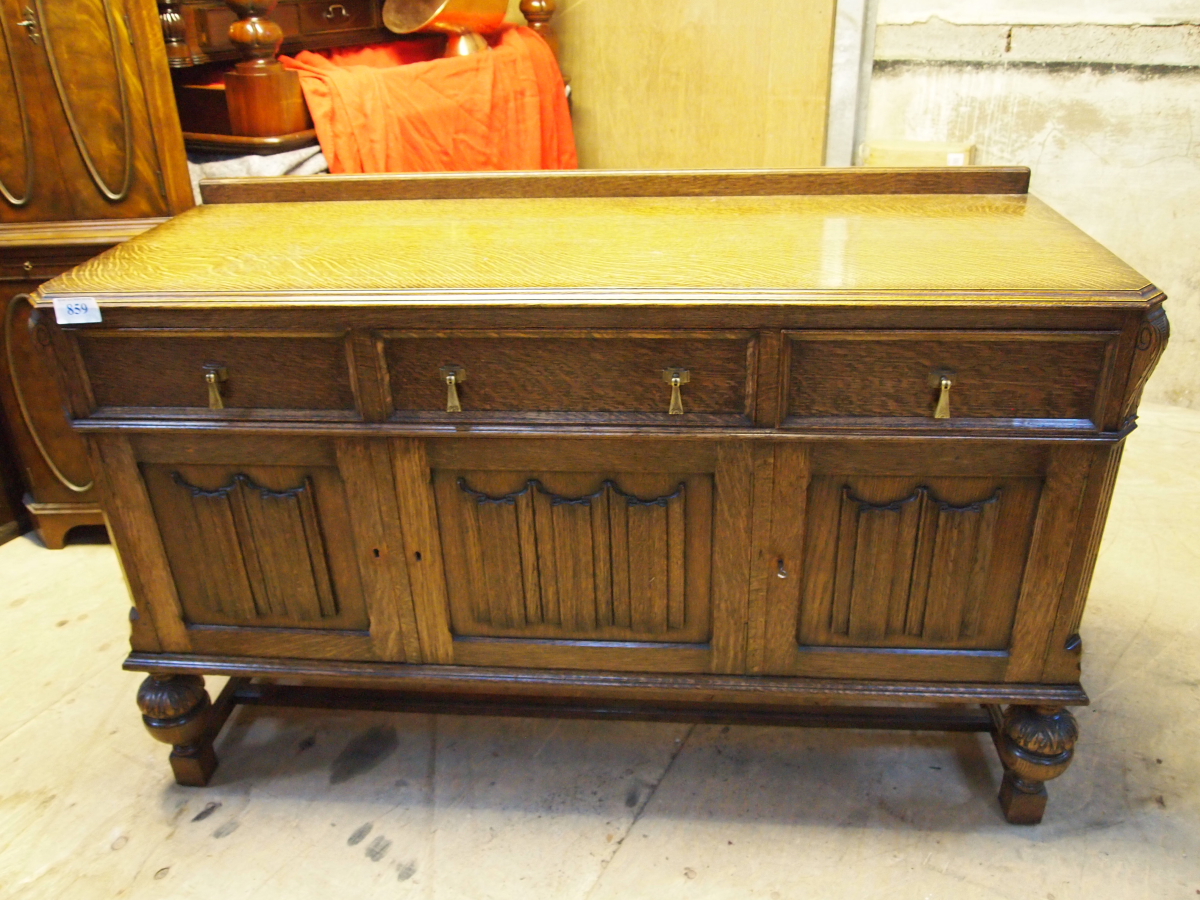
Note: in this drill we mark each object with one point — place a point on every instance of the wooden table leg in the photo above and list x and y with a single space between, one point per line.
177 711
1036 743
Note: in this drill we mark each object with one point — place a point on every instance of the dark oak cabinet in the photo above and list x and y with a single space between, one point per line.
91 154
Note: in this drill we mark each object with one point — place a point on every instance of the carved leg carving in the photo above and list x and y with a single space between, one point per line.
1036 743
177 711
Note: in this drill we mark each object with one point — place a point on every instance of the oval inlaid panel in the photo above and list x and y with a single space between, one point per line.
16 150
82 41
31 368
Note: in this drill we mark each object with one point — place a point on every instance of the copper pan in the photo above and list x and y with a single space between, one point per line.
465 21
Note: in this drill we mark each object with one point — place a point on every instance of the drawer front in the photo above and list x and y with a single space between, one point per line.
996 378
574 377
343 15
213 25
304 375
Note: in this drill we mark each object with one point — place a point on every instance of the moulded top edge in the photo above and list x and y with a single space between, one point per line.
732 246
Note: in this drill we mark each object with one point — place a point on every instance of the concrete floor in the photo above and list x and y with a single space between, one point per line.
330 805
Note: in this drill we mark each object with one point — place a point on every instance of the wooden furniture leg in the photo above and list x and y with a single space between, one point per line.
1036 743
177 711
53 521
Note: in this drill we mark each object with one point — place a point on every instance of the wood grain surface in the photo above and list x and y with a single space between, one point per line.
621 248
616 183
750 689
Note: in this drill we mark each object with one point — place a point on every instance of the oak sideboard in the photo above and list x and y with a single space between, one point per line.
821 447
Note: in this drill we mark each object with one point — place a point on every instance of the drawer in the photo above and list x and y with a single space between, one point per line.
573 377
31 271
303 374
997 378
344 15
212 25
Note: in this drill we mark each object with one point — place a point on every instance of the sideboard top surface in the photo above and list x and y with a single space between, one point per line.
604 249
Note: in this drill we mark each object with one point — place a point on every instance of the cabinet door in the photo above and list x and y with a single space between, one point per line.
96 107
257 546
925 562
579 554
30 183
52 457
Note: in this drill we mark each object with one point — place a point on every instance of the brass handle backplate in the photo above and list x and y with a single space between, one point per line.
453 376
943 381
675 377
214 376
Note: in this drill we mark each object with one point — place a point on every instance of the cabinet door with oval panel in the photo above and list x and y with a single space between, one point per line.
101 106
934 552
598 554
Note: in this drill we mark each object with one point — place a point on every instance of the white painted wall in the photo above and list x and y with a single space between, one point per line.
1041 12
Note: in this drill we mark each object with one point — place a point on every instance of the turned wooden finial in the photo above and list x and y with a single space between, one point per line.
256 36
263 97
538 14
174 33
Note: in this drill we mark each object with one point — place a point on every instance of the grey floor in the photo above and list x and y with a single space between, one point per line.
363 805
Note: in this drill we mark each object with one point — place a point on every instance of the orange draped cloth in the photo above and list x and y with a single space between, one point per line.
393 108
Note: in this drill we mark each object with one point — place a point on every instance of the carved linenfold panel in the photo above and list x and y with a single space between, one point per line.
268 546
914 567
549 563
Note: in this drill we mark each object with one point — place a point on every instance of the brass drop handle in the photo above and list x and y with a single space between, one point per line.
943 404
330 13
30 24
453 376
676 377
214 376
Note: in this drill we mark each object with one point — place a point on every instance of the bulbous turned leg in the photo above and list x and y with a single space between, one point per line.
1036 743
177 711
